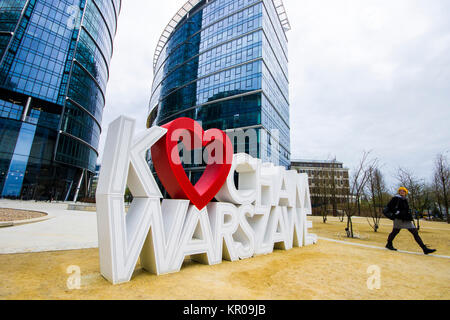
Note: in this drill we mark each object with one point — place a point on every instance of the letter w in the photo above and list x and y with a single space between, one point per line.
121 235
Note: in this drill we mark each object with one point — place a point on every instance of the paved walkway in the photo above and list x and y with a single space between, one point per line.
65 230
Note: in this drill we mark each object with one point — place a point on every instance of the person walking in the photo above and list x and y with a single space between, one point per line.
404 220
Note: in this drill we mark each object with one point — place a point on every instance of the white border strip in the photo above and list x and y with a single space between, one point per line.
379 248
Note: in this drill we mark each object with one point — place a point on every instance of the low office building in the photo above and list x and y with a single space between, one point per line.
328 181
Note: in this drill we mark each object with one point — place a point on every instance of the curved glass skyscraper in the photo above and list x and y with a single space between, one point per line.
225 63
54 62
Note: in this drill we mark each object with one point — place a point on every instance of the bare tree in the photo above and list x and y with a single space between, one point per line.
333 186
323 195
437 197
425 199
327 186
442 182
358 182
376 189
416 189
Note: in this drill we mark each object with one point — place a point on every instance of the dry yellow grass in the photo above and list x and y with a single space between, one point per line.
324 271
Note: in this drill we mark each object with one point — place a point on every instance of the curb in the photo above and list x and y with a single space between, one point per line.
42 249
23 222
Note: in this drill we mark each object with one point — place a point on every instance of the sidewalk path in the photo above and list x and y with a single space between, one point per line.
65 230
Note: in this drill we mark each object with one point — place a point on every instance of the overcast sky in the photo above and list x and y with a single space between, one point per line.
364 75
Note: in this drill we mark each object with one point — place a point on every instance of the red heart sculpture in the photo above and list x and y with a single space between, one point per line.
168 166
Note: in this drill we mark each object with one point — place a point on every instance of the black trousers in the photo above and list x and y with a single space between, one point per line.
414 232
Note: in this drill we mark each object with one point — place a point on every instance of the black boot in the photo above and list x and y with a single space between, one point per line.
428 250
391 238
390 247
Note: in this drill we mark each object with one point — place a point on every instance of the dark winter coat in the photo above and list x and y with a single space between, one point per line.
398 203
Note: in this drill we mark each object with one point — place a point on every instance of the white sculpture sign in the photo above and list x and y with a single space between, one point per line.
267 211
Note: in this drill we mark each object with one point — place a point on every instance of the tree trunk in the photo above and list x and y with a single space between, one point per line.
349 227
444 182
359 207
334 207
440 207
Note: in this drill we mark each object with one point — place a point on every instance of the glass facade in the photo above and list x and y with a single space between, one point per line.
225 63
54 68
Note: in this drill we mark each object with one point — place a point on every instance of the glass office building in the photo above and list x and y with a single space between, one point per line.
54 62
225 63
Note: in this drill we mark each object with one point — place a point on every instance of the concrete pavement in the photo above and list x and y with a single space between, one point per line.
64 230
